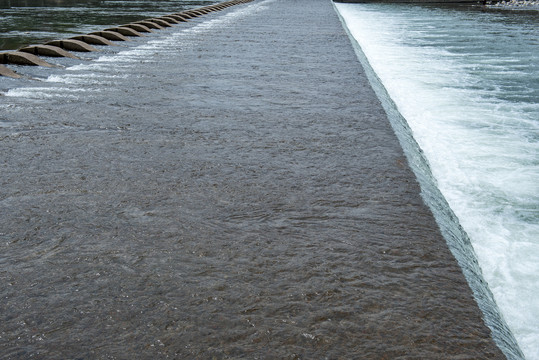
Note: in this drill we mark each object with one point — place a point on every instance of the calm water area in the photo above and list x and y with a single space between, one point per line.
466 80
231 187
25 22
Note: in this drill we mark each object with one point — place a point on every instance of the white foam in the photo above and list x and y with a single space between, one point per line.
48 92
86 67
482 146
84 79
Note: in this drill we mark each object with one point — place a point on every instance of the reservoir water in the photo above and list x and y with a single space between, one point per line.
466 80
24 22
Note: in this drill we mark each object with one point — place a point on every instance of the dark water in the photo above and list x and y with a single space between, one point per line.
24 22
227 188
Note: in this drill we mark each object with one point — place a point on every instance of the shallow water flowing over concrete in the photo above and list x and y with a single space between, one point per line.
229 188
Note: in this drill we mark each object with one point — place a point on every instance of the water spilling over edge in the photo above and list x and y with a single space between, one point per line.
456 237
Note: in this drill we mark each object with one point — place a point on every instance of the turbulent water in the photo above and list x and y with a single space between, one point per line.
466 80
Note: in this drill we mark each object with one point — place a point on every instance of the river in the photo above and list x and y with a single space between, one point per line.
159 200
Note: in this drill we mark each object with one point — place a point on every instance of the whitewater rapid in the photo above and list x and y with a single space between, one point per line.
466 83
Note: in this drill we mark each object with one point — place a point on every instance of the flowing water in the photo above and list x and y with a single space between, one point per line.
24 22
142 213
466 80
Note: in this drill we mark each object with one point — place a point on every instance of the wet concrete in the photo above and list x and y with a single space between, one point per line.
93 39
245 199
72 45
4 71
22 58
47 50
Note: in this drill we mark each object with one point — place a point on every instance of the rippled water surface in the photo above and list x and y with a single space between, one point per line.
466 81
225 188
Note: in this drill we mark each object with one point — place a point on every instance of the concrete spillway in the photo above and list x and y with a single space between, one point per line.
243 198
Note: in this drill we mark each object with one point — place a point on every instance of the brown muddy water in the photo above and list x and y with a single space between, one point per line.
228 188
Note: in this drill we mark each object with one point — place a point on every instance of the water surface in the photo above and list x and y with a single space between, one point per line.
225 188
24 22
466 81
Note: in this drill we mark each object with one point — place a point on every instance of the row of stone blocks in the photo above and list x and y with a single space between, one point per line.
29 55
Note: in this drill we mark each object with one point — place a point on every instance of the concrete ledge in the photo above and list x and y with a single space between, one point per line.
177 17
138 27
4 71
169 20
47 50
185 15
195 12
72 44
22 58
125 30
160 22
93 39
110 35
190 14
150 24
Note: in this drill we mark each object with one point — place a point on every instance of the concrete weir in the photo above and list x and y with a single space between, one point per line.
138 27
177 18
160 22
72 44
185 15
125 31
93 39
150 24
81 43
110 35
22 58
4 71
47 50
169 20
246 198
